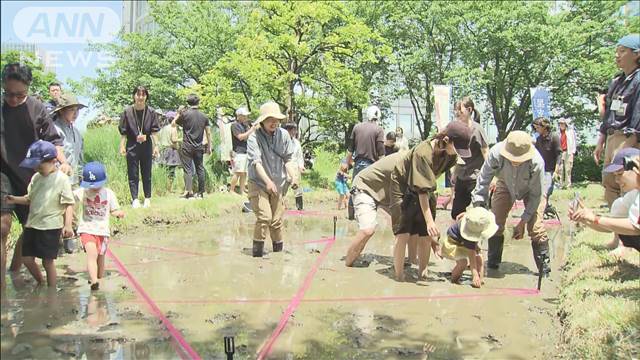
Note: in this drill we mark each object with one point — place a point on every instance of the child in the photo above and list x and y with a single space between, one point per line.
342 176
461 244
169 140
50 201
98 202
390 144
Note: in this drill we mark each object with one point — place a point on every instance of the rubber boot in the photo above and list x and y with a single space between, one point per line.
258 248
541 256
496 243
277 246
299 203
351 211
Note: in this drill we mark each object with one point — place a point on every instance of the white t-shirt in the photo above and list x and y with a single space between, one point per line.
96 209
622 205
634 210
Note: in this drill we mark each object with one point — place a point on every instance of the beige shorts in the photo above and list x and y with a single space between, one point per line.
240 163
365 210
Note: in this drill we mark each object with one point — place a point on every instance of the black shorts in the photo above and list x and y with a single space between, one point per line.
9 188
412 220
632 241
43 244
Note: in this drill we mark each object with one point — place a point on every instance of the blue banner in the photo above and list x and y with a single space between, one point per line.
540 103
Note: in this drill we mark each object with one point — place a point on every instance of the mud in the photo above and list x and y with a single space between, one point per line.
205 282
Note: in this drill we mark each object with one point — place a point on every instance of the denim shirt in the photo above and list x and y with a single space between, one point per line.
272 151
72 145
523 182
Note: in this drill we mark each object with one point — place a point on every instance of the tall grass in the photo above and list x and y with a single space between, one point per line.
102 144
324 169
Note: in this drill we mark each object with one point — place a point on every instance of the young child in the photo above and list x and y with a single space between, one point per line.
98 202
342 176
50 201
461 244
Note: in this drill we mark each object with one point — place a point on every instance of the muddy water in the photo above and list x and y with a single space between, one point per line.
204 280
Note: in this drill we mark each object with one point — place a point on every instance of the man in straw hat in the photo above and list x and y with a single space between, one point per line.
462 243
519 169
65 116
271 166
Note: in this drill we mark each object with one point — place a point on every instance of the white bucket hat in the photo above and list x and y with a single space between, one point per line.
478 224
270 110
373 112
242 111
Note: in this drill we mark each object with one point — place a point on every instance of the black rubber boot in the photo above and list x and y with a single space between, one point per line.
299 203
277 246
351 211
496 243
258 248
541 256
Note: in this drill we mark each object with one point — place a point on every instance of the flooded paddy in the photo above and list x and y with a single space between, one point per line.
175 292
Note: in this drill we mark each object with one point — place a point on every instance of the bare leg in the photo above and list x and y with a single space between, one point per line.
412 248
16 261
340 197
92 261
34 269
480 267
398 255
100 266
457 271
243 182
50 269
234 181
357 245
424 253
5 229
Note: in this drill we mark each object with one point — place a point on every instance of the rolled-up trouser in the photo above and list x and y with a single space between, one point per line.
615 142
192 164
359 165
268 209
501 204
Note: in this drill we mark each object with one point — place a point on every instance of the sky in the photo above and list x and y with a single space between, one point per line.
64 30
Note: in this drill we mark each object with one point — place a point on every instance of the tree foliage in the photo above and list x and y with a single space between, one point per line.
325 61
41 78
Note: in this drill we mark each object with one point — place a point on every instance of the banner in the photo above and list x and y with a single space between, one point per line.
442 96
540 103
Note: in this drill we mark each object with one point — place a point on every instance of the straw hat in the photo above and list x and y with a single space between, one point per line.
68 100
478 224
270 110
518 147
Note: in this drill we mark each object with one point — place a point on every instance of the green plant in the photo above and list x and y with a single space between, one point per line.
585 168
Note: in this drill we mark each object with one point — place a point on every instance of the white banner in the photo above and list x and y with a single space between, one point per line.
442 96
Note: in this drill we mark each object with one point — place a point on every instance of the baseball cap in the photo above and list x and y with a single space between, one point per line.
38 152
373 112
618 160
460 134
94 175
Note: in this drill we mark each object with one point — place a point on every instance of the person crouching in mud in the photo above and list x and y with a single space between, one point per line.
404 185
271 165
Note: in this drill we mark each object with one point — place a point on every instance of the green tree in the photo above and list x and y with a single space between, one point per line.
41 78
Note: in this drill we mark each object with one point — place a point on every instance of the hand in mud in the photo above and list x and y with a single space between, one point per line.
518 230
476 282
271 187
432 230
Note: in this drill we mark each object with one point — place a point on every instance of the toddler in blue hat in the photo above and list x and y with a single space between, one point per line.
50 202
98 204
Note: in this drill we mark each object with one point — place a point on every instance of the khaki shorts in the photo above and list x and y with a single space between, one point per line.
366 210
239 163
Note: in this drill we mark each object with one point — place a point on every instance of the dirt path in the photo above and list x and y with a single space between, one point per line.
205 285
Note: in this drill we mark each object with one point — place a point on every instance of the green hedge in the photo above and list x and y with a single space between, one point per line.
585 168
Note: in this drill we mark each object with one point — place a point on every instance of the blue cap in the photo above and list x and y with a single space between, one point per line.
618 161
38 152
631 41
94 175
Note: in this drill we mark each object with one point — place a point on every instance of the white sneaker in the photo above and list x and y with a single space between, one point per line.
135 204
147 203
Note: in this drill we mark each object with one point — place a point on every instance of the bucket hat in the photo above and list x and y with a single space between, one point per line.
478 224
518 147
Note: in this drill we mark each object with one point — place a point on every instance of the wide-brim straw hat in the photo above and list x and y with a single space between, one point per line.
270 110
517 147
478 224
68 100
